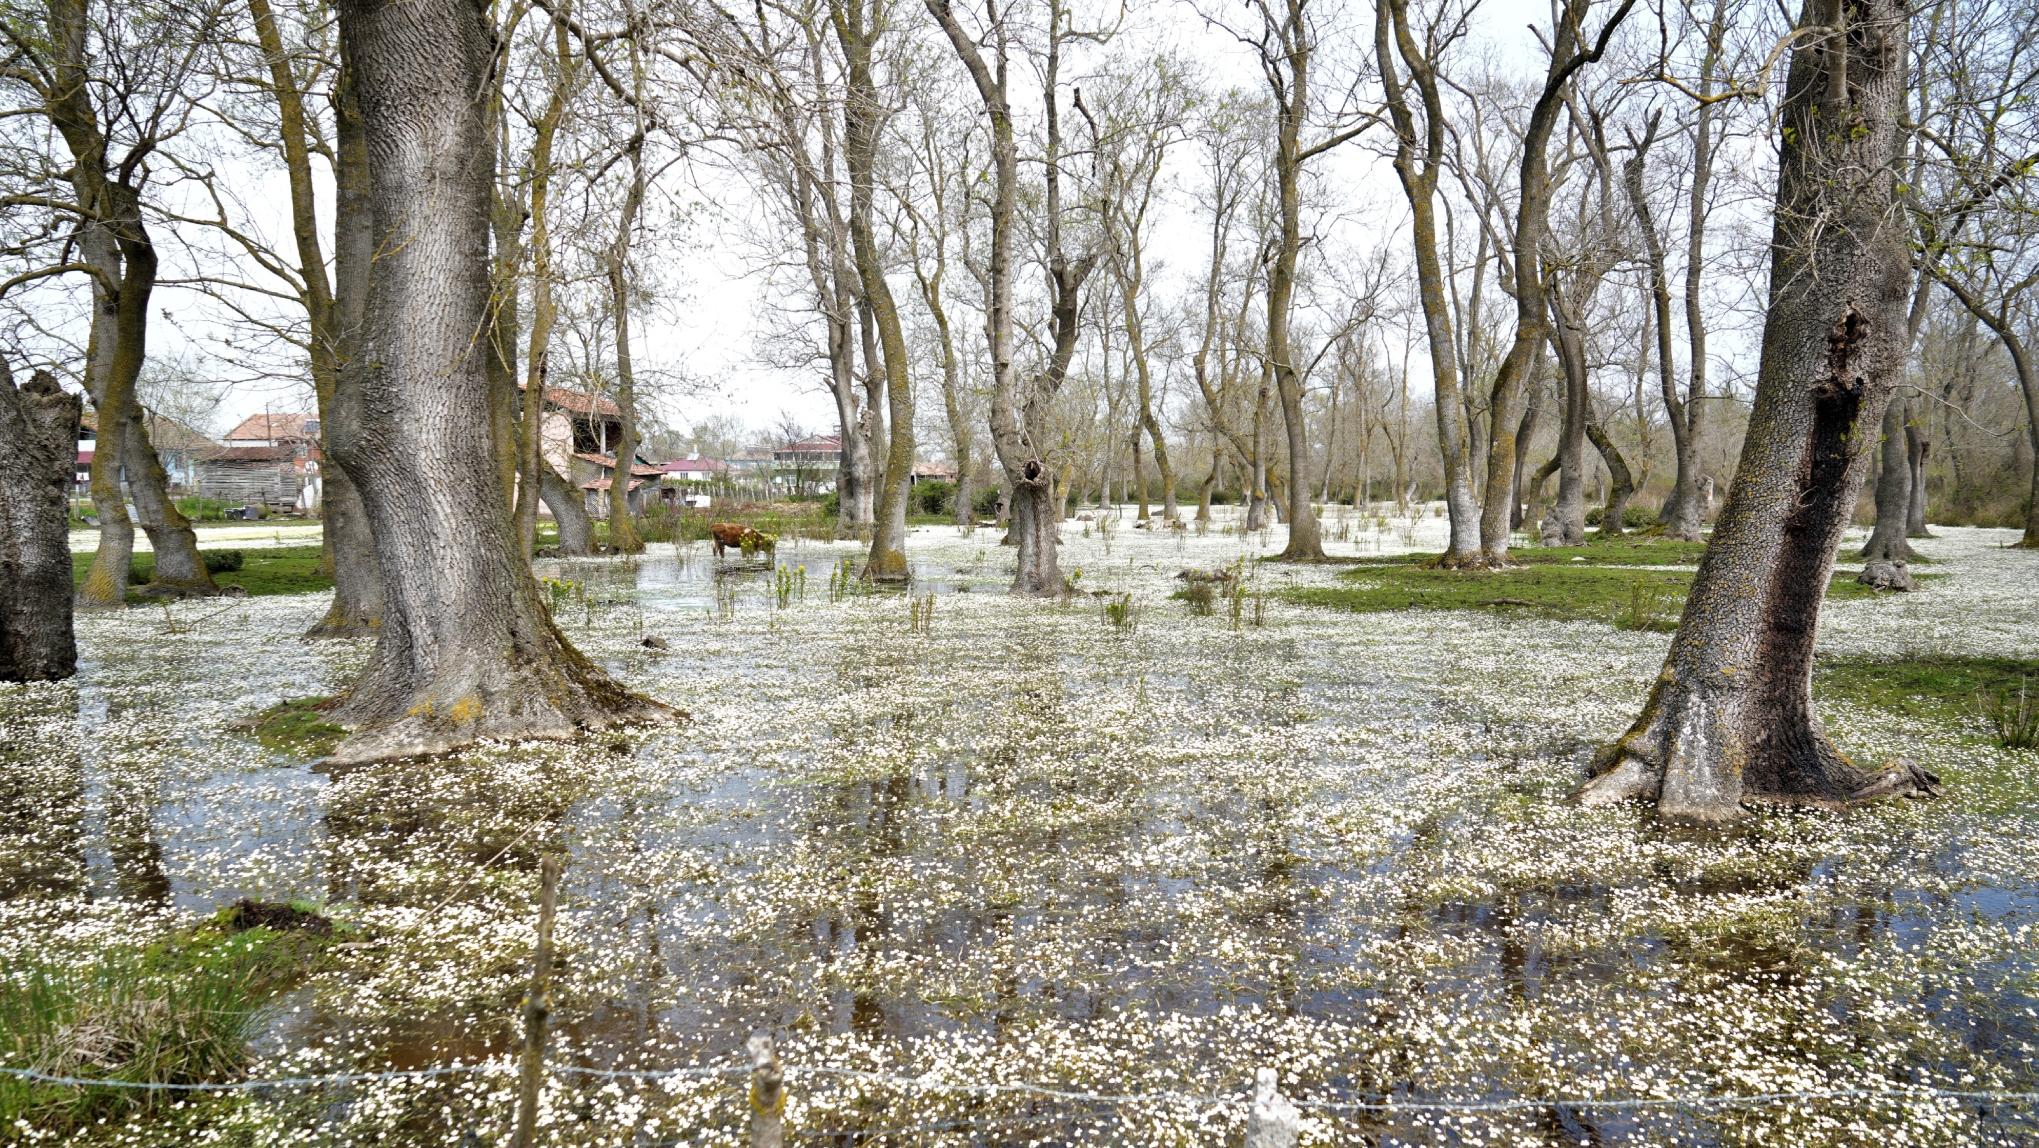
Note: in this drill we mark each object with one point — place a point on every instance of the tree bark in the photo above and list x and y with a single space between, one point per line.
1917 446
1682 512
1014 431
467 649
356 610
1570 508
1730 721
116 243
531 464
1893 493
38 444
862 115
1418 173
1618 492
569 512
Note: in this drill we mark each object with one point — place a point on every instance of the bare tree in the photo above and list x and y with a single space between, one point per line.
1730 721
467 649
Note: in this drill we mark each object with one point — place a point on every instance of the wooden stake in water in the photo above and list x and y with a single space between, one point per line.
537 1007
767 1094
1272 1122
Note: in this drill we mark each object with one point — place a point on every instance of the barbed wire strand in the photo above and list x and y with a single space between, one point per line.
923 1084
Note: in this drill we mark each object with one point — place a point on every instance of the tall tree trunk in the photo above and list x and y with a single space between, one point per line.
889 386
623 537
544 310
1730 719
1893 492
1532 418
1570 509
1681 512
1917 446
116 243
1015 434
333 314
38 441
1419 160
356 610
467 649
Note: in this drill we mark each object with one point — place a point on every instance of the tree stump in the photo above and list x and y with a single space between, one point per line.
1887 575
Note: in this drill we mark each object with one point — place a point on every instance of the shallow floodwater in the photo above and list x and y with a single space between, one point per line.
1027 845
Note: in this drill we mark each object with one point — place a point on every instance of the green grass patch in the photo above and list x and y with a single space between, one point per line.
1627 550
1940 688
1588 591
279 570
179 1010
295 725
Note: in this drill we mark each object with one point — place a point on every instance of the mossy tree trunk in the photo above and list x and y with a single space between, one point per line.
114 241
863 113
467 649
1730 720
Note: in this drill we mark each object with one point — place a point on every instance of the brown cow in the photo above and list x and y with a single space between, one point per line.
734 534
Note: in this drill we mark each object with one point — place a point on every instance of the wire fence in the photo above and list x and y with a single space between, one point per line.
568 1104
2000 1117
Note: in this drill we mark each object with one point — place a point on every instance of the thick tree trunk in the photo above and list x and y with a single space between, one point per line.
467 649
1893 493
569 512
38 441
1611 524
1730 721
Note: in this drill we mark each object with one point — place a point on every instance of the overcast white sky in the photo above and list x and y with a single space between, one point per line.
707 329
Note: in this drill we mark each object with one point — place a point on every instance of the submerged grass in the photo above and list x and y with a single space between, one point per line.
1040 848
180 1010
295 725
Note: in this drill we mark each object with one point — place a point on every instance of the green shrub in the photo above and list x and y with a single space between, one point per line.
1221 498
222 561
934 497
986 502
1632 516
832 506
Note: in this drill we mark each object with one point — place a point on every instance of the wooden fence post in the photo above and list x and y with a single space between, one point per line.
537 1008
1272 1122
767 1094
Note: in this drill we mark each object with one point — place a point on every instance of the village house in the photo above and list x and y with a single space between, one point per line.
809 465
695 475
577 435
268 460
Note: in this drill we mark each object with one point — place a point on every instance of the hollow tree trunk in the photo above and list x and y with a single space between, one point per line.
467 649
38 444
1730 721
1893 493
